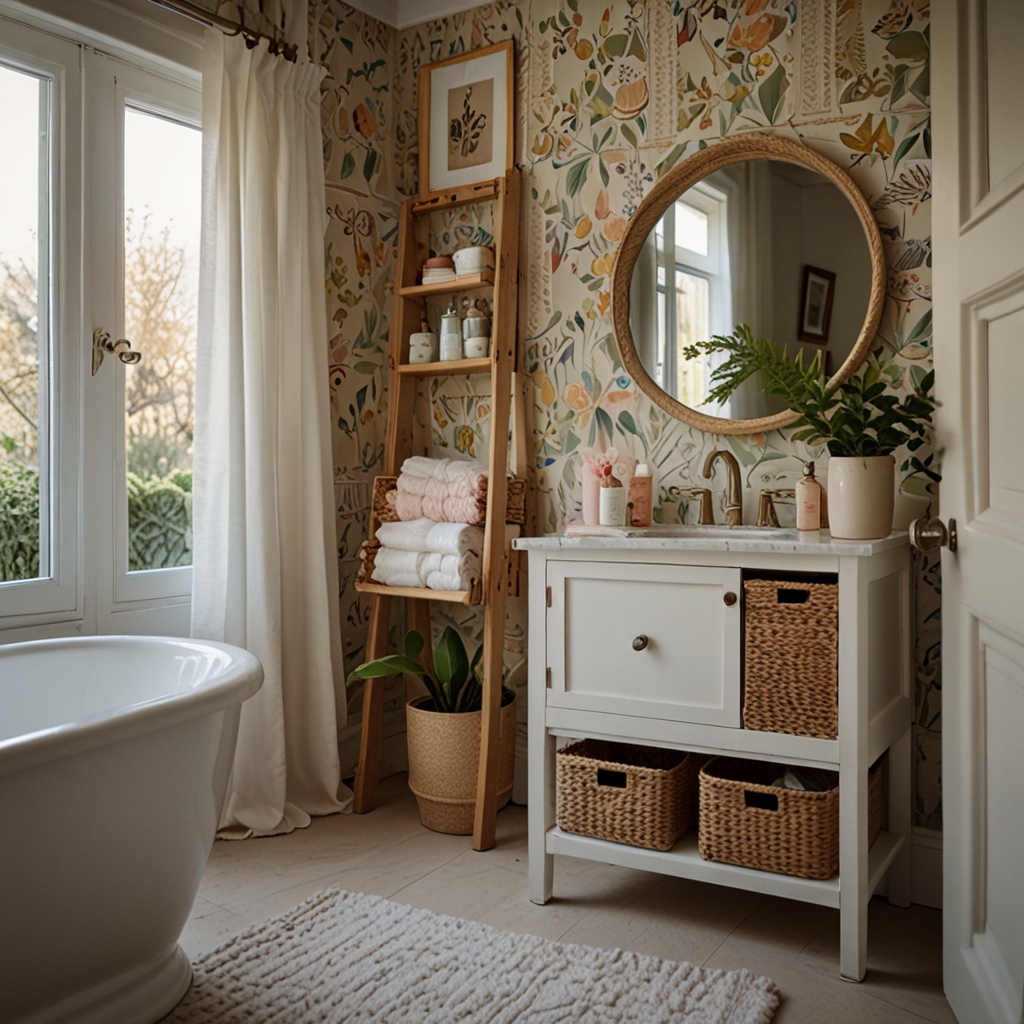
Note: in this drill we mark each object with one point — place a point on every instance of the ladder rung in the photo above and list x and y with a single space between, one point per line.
471 596
450 367
466 283
459 196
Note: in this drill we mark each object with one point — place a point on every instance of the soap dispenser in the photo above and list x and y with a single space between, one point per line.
808 500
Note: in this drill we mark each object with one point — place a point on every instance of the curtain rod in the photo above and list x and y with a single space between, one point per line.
232 28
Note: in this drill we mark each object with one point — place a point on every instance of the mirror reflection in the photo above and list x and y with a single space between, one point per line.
762 242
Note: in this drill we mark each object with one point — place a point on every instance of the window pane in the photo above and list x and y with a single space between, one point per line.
24 326
691 228
692 315
162 184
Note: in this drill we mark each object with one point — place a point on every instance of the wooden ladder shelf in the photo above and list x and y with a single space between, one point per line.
413 249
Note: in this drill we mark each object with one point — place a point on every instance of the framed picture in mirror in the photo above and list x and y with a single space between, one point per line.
816 305
466 118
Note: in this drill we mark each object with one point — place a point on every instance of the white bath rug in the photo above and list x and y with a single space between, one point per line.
342 956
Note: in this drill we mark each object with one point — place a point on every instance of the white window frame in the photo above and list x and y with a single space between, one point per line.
58 596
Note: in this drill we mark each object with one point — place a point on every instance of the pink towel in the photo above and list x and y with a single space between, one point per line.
445 490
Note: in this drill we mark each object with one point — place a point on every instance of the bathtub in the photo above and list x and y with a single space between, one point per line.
114 759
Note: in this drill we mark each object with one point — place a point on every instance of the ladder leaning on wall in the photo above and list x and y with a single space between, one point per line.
507 410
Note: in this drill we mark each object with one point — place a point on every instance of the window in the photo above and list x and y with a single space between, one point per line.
694 300
25 321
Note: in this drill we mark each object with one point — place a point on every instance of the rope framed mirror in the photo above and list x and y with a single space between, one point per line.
753 230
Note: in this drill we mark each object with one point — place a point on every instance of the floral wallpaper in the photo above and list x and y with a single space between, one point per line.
610 96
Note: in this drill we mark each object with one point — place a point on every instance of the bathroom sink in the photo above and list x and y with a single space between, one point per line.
719 532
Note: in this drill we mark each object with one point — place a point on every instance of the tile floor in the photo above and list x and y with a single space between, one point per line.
389 853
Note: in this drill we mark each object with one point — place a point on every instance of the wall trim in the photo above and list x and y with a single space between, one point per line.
926 878
406 13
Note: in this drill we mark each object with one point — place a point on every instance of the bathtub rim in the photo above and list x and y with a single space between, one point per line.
242 678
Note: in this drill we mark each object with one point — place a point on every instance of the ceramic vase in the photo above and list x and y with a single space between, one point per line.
861 497
444 757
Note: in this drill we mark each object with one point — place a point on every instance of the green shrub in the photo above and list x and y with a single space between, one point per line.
159 521
19 522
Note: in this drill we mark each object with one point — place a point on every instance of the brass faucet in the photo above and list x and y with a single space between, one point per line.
733 499
707 509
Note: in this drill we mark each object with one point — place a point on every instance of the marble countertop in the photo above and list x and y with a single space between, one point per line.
714 538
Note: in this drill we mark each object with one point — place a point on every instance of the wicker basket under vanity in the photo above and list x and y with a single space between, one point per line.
640 796
745 820
791 657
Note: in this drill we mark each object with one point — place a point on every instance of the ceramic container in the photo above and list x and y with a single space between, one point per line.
477 348
423 347
451 335
473 259
861 497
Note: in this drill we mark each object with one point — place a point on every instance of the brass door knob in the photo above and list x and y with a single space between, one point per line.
930 533
640 642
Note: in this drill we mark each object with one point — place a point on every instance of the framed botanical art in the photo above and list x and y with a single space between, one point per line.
466 118
816 305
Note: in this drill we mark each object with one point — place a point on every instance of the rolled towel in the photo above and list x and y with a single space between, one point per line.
392 560
442 581
433 561
409 506
397 579
441 469
454 539
407 535
470 509
457 565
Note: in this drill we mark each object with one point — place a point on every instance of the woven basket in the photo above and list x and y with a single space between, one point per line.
744 820
384 511
640 796
791 657
444 758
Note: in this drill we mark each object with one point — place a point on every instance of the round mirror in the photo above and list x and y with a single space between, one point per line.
754 230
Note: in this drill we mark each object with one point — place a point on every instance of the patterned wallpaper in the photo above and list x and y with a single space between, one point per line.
609 97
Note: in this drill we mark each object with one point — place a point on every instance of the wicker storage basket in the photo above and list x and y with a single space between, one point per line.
745 820
791 657
640 796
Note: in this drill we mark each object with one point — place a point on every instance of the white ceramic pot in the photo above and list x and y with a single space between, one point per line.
473 259
861 497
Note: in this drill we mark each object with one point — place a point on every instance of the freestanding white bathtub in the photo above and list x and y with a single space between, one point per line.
114 759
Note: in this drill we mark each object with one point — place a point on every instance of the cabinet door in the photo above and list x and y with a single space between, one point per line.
654 641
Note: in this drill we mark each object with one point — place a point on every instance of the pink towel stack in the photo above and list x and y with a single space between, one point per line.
444 490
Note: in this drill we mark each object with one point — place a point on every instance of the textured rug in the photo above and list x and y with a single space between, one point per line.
342 956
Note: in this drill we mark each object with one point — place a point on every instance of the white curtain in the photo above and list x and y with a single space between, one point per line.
265 551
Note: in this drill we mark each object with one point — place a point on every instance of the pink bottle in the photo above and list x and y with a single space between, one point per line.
591 494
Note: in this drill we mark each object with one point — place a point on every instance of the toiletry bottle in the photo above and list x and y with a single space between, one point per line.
451 335
808 500
613 502
641 495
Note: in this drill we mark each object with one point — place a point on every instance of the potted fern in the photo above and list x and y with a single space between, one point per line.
861 421
443 729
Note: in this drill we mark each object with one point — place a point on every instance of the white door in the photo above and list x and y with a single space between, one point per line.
99 238
979 364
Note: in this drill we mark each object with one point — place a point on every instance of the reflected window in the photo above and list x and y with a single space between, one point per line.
693 288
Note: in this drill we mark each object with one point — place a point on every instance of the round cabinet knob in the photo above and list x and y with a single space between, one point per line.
640 642
730 598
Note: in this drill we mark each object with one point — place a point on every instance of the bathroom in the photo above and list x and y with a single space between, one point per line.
221 468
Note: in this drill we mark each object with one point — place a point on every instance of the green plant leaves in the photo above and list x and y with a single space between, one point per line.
390 665
450 662
413 644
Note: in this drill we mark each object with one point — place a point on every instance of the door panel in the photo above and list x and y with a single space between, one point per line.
655 641
979 363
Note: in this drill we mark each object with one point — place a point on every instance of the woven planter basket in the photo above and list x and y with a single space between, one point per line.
746 821
444 757
640 796
791 657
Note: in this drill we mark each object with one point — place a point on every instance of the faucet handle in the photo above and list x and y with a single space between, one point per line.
706 516
766 514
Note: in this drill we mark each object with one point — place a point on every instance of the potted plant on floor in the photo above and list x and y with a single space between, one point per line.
444 729
861 421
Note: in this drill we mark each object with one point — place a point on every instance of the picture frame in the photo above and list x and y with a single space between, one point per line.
818 291
466 118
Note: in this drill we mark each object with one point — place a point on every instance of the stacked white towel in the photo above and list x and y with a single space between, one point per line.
422 553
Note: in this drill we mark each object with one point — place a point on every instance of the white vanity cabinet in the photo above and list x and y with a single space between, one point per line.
640 639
